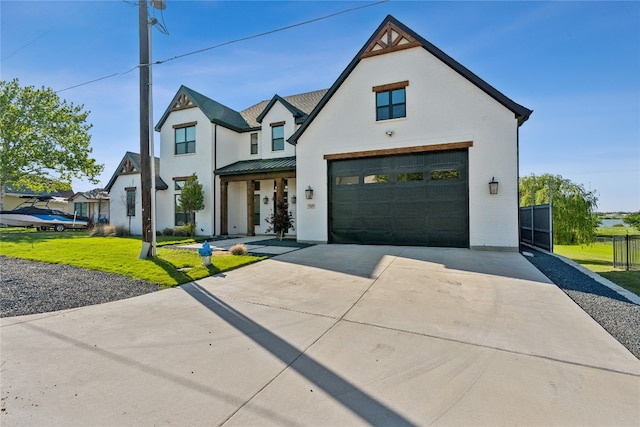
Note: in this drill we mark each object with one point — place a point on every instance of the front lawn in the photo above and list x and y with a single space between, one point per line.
598 257
116 255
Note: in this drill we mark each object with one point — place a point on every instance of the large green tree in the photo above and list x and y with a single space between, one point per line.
191 200
44 140
574 218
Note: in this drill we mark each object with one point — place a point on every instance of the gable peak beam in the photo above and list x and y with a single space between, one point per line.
182 102
390 39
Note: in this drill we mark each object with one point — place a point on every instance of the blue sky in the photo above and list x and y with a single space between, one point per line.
576 64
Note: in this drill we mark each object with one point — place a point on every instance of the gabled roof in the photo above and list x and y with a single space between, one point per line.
303 102
24 191
391 36
95 194
298 114
130 164
258 166
215 112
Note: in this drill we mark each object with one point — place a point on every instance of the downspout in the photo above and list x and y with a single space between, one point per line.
518 181
215 161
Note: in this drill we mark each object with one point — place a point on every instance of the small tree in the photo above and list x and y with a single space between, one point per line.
192 200
574 218
280 221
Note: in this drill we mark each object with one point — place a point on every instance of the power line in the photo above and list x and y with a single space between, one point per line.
288 27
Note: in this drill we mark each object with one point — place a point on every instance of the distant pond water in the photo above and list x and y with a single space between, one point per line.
611 222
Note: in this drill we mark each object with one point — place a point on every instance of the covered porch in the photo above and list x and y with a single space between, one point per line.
250 192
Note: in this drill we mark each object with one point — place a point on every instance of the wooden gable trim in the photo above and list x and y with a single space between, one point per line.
277 124
183 102
390 39
396 151
127 167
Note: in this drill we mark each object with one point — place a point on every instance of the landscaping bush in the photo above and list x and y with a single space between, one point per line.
239 249
182 231
103 231
167 231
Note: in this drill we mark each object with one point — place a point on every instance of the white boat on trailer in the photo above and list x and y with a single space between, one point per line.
28 214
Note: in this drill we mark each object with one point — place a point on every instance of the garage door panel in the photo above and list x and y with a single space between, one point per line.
414 199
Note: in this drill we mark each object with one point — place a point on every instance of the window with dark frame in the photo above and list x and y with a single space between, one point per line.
80 209
181 218
391 101
185 140
254 143
131 201
277 136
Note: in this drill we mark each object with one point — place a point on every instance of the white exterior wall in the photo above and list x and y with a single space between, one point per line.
442 107
118 204
277 113
183 165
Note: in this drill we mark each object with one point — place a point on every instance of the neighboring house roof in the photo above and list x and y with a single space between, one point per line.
95 194
258 166
23 191
130 164
403 37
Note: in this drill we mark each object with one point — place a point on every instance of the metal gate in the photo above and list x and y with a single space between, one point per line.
626 252
413 199
536 226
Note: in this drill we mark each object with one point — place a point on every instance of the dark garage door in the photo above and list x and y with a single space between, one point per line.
413 199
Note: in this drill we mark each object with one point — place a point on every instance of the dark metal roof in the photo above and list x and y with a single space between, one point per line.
215 112
521 113
135 161
258 166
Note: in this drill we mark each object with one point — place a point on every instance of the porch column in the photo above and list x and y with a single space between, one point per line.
224 208
251 231
279 192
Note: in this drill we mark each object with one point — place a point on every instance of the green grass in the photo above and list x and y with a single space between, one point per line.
118 255
617 231
598 257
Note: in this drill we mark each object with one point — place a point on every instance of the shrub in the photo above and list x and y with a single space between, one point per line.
121 232
181 231
167 231
103 231
238 249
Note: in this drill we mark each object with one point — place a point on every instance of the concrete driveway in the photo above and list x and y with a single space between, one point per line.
329 335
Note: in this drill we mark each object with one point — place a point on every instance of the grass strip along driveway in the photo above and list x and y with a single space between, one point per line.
117 255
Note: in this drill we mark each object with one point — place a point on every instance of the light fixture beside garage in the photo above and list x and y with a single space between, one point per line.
493 186
265 200
308 193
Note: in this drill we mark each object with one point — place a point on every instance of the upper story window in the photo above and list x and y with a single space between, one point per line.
391 100
254 143
186 139
277 136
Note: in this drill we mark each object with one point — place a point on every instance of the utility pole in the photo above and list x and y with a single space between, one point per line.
145 163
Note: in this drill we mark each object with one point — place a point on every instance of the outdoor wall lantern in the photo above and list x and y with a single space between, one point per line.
265 200
493 186
294 199
308 193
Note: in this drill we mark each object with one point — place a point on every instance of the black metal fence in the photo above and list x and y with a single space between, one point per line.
626 252
536 226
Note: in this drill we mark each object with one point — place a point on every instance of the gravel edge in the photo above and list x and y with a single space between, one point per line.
32 287
615 313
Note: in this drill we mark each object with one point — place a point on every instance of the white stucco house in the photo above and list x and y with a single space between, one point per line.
399 150
125 198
